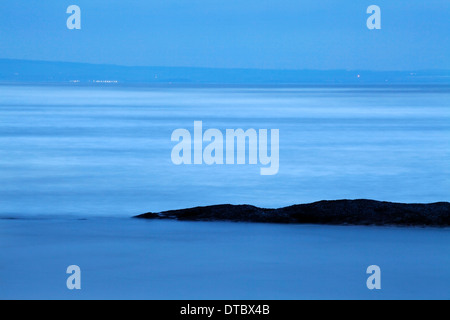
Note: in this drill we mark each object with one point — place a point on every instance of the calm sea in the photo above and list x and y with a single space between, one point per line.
74 150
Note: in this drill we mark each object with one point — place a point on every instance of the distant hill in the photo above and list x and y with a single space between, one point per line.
339 212
64 72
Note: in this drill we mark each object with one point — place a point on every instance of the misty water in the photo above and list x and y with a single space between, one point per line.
68 150
76 162
135 259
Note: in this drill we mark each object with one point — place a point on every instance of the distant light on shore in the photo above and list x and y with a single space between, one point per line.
105 81
96 81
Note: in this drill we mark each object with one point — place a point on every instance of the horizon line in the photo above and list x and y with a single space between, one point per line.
222 68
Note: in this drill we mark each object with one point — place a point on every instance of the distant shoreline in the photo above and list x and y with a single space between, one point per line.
337 212
26 71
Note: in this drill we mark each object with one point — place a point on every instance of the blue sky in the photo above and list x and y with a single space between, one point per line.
276 34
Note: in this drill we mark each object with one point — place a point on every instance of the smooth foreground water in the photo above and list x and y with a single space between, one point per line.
106 150
77 162
134 259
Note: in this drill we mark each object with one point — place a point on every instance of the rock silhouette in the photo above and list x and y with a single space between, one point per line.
337 212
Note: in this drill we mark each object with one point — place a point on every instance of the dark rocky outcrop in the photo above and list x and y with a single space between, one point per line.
354 212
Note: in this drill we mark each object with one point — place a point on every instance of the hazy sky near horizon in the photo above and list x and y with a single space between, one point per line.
277 34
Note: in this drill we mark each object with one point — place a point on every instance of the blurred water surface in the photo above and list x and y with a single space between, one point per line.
74 150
